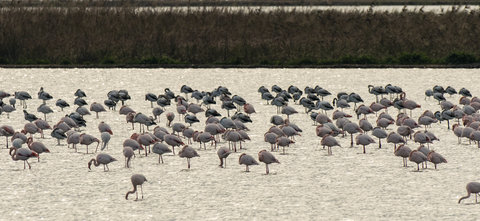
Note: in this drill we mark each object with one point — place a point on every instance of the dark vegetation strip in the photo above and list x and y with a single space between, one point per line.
83 36
182 3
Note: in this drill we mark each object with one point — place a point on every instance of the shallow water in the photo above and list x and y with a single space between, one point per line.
343 8
307 184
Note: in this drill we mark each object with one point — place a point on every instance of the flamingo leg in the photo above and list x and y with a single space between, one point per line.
351 140
266 165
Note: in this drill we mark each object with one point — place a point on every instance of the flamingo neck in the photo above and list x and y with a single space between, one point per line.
133 191
468 195
14 155
94 163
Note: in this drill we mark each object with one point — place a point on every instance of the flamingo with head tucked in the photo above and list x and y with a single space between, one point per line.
267 158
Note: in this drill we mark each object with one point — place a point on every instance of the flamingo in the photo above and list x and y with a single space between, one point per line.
44 109
102 158
404 152
22 154
74 139
173 141
42 125
435 158
380 134
88 139
246 160
160 149
37 147
128 153
6 131
137 180
417 157
472 187
329 141
352 128
267 158
62 104
223 153
248 109
170 118
364 139
188 152
105 136
283 142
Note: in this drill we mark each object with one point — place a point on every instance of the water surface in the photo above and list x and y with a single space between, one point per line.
307 185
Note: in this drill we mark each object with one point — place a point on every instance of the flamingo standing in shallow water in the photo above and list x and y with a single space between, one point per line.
88 139
188 152
128 153
173 141
246 160
472 187
223 154
267 158
101 158
417 157
22 154
37 147
160 149
137 179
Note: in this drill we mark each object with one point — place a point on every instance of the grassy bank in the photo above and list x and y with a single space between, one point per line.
126 36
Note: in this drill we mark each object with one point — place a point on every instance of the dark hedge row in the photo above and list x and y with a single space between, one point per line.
125 35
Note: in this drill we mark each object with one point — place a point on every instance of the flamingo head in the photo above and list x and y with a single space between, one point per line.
34 154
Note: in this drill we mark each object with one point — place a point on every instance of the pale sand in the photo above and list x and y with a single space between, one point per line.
307 185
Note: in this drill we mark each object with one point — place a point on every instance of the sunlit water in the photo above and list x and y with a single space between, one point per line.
344 8
307 185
